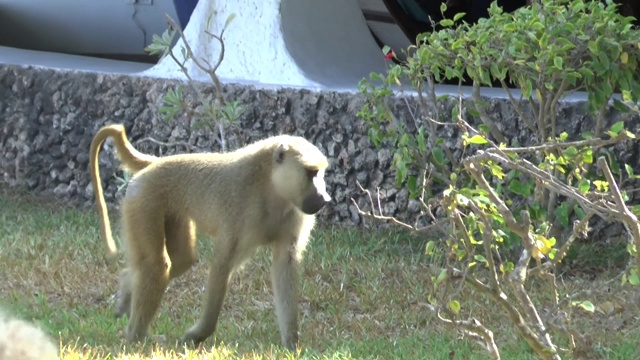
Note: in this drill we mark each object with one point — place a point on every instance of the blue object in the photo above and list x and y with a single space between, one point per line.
184 9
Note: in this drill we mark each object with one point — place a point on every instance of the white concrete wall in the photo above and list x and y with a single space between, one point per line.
298 43
320 44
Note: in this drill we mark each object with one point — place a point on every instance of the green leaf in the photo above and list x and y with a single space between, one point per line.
477 140
634 279
506 267
412 185
563 136
496 170
617 127
458 16
454 305
438 155
586 305
601 185
631 248
584 186
440 278
527 89
431 245
474 113
562 214
480 258
620 106
517 187
420 139
405 139
446 22
629 170
229 20
570 152
557 62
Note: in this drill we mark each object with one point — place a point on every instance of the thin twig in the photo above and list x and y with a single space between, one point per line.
381 217
169 144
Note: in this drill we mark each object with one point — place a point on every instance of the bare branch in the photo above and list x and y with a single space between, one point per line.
487 242
472 328
517 107
623 213
497 134
392 219
169 144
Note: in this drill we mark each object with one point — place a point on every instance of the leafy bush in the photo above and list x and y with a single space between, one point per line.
507 203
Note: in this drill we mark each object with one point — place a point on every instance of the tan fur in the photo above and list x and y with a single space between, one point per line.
131 159
264 194
20 340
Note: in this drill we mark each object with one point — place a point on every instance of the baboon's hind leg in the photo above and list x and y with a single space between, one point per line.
149 265
180 238
123 305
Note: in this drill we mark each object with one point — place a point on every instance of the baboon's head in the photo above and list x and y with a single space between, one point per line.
298 174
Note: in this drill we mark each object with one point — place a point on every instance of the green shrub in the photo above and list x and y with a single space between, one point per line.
506 203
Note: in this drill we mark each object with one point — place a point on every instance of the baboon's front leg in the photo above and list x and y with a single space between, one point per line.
284 278
217 284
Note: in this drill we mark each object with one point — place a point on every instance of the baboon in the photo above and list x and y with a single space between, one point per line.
20 340
265 194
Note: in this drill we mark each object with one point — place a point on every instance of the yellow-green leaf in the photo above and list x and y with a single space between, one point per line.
584 186
477 139
431 245
458 16
454 305
586 305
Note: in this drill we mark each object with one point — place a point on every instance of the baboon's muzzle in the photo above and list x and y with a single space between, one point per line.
314 203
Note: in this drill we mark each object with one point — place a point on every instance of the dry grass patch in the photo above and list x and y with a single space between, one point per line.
363 296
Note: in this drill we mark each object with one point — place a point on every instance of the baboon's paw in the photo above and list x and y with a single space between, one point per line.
123 305
155 339
159 339
122 311
193 337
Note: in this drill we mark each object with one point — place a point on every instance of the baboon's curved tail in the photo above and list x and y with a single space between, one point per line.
131 159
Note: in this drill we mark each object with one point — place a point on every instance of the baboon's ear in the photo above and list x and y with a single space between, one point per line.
279 154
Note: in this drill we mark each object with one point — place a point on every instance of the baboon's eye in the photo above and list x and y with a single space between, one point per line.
311 173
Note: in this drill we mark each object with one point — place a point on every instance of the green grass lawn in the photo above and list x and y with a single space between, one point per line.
363 298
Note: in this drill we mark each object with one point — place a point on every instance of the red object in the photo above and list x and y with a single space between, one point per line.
389 55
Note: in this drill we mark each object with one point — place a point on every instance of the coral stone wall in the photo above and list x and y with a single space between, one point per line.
48 118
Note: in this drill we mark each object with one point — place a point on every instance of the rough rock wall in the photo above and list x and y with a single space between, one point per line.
48 118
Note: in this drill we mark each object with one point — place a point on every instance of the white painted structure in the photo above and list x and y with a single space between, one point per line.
300 43
292 43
